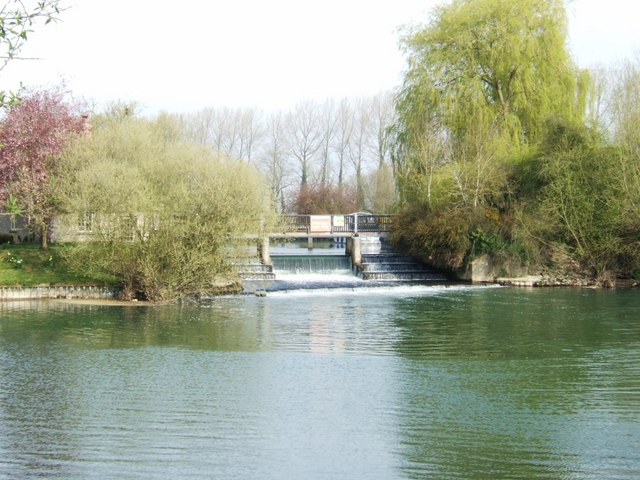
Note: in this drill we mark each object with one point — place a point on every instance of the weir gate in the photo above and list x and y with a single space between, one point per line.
360 235
354 229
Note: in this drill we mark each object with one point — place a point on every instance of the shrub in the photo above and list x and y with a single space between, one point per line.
440 237
167 214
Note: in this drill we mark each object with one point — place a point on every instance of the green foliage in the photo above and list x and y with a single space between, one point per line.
449 237
167 214
14 259
484 77
28 265
576 186
441 237
491 137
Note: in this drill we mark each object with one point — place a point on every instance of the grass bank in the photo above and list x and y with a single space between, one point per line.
28 265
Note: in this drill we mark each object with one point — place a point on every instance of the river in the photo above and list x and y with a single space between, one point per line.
405 382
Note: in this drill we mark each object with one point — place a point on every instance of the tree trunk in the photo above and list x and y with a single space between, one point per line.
44 240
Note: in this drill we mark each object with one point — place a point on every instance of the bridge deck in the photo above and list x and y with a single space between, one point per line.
332 226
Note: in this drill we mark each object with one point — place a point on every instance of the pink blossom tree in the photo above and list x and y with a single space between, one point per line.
32 136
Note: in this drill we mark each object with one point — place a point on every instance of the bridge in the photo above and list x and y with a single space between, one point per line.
353 227
332 226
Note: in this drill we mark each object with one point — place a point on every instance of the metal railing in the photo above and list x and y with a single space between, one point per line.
295 223
332 224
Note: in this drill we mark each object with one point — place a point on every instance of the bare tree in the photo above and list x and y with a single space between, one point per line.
344 131
235 133
250 133
358 146
198 126
328 123
304 137
326 144
274 161
382 116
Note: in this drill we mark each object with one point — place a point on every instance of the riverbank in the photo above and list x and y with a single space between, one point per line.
113 302
29 273
52 292
564 272
27 265
544 281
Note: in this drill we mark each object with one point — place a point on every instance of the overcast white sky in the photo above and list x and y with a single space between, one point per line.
183 56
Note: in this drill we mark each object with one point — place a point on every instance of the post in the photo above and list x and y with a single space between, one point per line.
310 242
355 224
356 252
263 248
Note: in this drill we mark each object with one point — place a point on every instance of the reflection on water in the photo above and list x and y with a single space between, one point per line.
388 383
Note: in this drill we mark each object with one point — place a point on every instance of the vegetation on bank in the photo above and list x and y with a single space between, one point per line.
504 147
499 144
164 216
27 265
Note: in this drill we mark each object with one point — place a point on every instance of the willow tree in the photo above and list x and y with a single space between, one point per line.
483 76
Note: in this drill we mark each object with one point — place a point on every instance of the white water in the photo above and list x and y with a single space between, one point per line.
361 288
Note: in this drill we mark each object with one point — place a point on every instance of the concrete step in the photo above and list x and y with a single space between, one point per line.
257 275
387 258
395 266
254 268
405 276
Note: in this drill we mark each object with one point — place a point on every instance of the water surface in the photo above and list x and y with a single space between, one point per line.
378 383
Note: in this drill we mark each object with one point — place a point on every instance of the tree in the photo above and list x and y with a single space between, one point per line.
624 107
167 214
492 73
233 132
324 199
381 195
382 116
273 160
343 137
380 189
32 136
305 137
17 20
581 197
358 147
624 113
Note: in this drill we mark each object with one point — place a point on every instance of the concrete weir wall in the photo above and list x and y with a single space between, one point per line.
484 270
49 292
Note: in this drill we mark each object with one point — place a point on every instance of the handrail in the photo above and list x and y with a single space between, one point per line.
333 224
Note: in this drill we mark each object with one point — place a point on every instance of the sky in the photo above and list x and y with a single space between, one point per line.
268 54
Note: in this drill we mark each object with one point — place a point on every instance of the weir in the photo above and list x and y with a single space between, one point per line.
351 230
307 264
360 239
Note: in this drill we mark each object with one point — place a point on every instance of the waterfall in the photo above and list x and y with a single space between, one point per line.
311 264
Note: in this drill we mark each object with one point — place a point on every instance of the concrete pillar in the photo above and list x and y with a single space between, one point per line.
356 252
310 243
263 250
